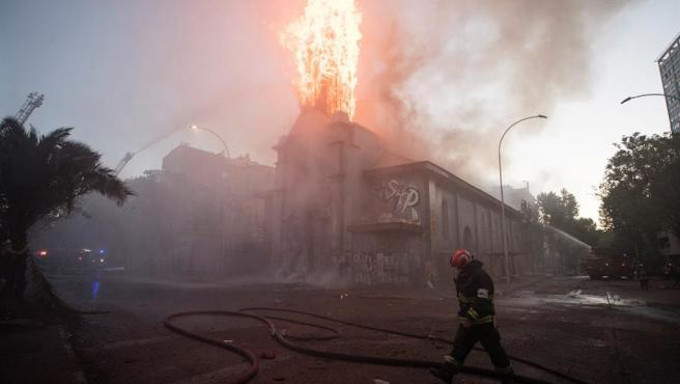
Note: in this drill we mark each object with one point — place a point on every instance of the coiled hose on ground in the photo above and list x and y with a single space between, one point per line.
284 340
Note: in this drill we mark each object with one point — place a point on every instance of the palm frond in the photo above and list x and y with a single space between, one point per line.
79 153
33 137
11 132
9 122
106 183
55 138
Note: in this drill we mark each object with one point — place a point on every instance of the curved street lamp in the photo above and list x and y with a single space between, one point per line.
629 98
195 128
668 103
226 149
500 174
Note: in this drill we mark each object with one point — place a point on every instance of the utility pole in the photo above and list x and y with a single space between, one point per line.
33 101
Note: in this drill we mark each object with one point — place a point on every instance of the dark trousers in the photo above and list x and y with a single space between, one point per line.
644 284
488 336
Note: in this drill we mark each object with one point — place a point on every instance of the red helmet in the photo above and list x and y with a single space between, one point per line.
460 258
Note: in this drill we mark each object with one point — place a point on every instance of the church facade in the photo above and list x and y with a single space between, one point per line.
343 205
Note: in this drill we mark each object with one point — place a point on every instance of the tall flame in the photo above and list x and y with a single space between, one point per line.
325 46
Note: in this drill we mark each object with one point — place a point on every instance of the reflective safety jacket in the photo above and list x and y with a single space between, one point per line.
475 294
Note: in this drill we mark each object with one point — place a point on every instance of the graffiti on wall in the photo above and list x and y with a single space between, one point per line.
384 267
402 197
371 267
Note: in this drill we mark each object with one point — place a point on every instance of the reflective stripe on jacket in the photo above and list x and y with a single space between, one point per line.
475 294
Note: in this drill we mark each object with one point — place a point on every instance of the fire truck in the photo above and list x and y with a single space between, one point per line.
608 263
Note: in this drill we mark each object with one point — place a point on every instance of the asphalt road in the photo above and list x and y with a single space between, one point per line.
596 331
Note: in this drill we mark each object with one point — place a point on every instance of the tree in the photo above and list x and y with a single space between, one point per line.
641 192
558 210
585 229
40 176
561 211
535 235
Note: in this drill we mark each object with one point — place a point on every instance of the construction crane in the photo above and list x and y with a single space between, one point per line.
128 156
33 101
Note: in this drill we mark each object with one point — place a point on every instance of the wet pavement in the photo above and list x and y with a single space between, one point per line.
596 331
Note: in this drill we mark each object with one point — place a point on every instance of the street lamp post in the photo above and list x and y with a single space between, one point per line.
224 143
500 174
629 98
221 199
668 105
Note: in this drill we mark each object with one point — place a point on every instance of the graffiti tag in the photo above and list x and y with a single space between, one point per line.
403 197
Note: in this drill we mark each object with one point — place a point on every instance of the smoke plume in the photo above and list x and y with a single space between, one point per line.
441 80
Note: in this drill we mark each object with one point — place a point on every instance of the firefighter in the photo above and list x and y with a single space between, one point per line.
476 320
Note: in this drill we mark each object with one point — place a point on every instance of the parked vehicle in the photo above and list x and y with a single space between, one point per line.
70 260
607 263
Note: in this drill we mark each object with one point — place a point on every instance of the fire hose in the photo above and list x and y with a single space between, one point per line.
285 340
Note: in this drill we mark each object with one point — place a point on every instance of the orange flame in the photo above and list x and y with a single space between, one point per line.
325 46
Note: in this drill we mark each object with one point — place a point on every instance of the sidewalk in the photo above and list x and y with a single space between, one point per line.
35 346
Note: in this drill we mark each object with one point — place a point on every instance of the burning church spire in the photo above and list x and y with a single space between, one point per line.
325 45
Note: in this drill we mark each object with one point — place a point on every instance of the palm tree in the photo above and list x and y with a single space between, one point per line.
42 176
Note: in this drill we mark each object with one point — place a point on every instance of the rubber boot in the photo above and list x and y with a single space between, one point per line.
508 379
444 372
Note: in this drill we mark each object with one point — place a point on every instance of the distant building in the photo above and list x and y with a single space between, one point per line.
199 217
514 197
345 205
669 66
212 212
239 175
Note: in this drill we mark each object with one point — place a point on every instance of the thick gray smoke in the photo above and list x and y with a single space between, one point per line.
445 78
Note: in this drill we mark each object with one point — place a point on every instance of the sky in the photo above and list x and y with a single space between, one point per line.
454 74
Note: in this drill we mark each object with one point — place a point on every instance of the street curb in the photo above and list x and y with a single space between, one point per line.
78 373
